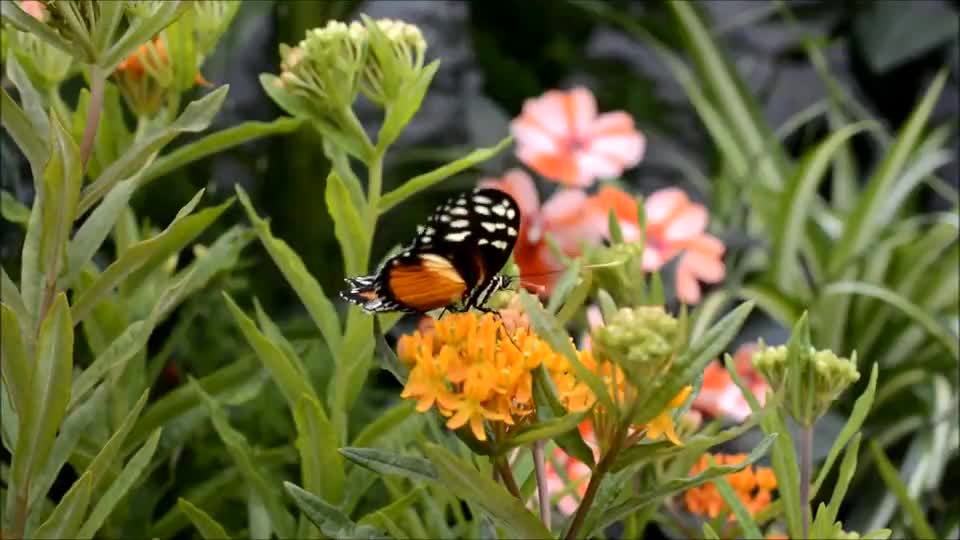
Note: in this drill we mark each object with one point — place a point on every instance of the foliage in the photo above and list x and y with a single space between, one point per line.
147 390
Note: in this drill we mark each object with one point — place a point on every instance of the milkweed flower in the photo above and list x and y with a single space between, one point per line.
472 369
753 486
147 75
561 137
675 228
721 397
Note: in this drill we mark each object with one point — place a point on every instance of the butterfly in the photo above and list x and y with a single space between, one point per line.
452 262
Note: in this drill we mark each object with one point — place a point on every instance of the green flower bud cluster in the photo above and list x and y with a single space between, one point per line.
641 340
76 21
823 376
325 66
45 64
397 58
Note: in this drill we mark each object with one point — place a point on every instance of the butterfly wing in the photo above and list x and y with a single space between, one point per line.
455 254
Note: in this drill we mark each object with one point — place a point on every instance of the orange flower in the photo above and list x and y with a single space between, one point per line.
561 136
133 65
473 370
720 397
675 227
753 487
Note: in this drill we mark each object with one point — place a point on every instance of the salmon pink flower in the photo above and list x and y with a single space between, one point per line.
675 227
721 397
35 9
560 136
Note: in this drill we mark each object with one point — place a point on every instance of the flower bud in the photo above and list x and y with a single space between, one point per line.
396 59
828 373
642 341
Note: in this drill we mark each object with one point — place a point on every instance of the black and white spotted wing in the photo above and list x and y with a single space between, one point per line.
454 258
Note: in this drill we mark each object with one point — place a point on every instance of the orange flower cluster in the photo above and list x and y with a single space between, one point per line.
753 487
473 370
133 65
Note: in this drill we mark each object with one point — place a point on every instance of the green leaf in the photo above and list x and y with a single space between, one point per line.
289 379
918 521
33 103
387 517
675 485
208 527
17 124
908 308
419 183
347 225
75 425
694 360
322 467
13 210
51 220
107 458
119 488
795 204
132 267
49 393
331 520
547 429
887 39
641 454
386 358
215 143
568 280
721 81
549 407
410 97
196 117
709 533
550 331
208 494
236 379
744 520
16 368
827 515
861 408
68 515
239 449
390 462
862 225
319 307
478 489
385 424
96 228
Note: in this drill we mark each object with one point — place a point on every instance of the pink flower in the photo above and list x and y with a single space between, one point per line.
560 136
35 9
676 224
721 397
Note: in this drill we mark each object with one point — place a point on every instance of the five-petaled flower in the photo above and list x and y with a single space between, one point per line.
675 227
560 136
721 397
753 487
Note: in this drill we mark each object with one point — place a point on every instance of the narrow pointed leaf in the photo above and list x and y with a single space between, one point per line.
208 527
69 513
390 462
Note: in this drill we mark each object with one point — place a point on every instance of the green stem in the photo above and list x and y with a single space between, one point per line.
543 496
596 478
507 476
806 470
98 82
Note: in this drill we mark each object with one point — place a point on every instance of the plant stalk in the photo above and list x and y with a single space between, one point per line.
507 476
806 471
543 497
596 477
98 81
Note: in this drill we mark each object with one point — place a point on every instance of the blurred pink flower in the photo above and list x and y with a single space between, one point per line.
561 137
675 224
35 9
720 397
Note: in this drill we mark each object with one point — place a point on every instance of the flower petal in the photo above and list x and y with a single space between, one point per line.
688 223
662 204
532 136
688 290
548 111
704 266
581 109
